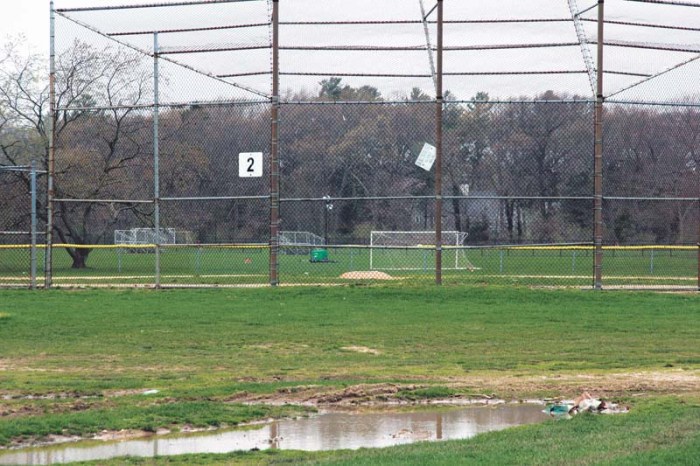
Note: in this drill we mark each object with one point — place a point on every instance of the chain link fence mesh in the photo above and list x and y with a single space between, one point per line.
155 104
21 231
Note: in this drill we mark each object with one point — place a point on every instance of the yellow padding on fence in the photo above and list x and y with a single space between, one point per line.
606 248
138 246
218 246
163 246
266 246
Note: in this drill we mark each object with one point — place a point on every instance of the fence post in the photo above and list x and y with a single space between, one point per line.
48 253
598 156
438 147
274 151
32 272
156 158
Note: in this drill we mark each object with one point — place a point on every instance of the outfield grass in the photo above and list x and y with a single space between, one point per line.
80 359
299 332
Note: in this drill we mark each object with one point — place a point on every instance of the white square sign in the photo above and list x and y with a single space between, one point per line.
250 164
426 158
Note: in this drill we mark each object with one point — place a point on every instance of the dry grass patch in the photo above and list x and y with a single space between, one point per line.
361 349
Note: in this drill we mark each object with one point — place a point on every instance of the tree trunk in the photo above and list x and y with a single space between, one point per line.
456 209
79 257
519 216
509 208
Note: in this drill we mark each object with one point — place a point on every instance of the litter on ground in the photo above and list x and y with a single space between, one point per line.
584 403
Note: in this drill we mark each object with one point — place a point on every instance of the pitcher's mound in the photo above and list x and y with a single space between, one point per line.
368 275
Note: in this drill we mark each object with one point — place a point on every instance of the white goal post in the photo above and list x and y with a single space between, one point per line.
149 236
299 242
414 250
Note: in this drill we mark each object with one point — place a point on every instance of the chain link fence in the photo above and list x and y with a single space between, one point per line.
21 238
248 143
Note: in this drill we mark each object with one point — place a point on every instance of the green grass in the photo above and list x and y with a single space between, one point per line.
428 393
71 350
299 333
210 265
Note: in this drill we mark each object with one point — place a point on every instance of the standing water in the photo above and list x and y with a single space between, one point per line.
330 431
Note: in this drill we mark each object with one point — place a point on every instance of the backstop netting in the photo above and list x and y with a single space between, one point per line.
155 103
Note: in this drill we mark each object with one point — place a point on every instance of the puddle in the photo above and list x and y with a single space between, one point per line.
330 431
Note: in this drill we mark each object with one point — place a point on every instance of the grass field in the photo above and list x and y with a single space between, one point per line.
249 265
78 361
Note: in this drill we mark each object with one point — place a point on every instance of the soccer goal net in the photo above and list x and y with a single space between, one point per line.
299 242
149 236
415 250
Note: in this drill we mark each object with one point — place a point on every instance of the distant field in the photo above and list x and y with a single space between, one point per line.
249 265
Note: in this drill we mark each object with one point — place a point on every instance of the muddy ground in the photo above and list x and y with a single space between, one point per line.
475 389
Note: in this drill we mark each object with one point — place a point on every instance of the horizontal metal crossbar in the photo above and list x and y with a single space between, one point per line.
421 48
181 30
454 73
667 2
232 48
105 201
357 75
650 46
377 198
432 101
194 103
645 25
238 75
149 5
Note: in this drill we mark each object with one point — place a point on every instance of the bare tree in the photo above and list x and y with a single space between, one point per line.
97 150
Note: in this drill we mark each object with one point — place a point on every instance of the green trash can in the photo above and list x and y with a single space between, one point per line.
319 255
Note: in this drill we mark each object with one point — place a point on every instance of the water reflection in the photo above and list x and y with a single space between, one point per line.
331 431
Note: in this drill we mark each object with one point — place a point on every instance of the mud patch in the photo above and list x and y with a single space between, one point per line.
324 396
124 392
368 275
489 388
19 411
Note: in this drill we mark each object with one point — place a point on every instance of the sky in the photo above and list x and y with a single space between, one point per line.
31 18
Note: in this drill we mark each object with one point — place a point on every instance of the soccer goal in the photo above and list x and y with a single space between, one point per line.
148 236
415 250
298 242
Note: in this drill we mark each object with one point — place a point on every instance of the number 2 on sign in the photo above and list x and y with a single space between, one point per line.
250 164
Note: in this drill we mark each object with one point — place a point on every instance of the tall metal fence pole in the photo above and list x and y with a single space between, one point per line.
598 156
48 253
32 183
156 158
274 151
438 148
